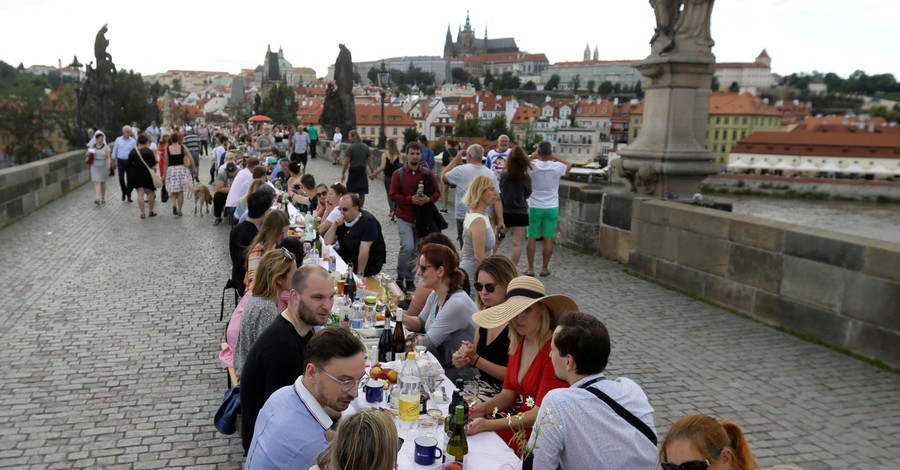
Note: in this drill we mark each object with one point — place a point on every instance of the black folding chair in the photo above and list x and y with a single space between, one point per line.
237 296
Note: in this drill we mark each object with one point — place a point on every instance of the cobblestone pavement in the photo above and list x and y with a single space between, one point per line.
110 333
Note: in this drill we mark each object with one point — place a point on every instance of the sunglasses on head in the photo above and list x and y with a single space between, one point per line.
489 287
692 465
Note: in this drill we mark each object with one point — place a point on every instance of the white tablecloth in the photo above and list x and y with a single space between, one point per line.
486 450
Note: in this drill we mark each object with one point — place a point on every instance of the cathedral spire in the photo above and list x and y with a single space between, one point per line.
587 52
596 53
468 25
485 32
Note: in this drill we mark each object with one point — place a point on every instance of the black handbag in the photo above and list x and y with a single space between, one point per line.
165 193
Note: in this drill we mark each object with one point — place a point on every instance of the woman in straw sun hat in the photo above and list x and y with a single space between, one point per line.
532 316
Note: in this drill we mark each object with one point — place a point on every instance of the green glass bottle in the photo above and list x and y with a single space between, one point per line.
457 445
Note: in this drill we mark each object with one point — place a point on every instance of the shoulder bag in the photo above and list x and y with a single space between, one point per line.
157 180
621 411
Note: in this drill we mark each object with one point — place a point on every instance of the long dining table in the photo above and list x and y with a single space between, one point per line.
487 451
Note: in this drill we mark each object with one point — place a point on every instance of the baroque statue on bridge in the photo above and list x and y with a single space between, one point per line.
339 109
682 26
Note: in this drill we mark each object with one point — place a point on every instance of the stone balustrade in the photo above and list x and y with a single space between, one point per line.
841 289
26 188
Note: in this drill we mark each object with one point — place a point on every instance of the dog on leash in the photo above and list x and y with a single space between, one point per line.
202 197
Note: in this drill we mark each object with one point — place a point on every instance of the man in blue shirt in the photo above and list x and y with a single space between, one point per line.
427 153
297 420
574 420
125 143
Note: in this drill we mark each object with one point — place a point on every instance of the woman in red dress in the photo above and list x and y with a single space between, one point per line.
532 316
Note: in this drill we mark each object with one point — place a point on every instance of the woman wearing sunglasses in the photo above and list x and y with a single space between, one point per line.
446 319
489 350
322 207
699 442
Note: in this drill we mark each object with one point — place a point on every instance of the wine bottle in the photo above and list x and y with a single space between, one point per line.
385 351
350 282
457 445
398 346
456 400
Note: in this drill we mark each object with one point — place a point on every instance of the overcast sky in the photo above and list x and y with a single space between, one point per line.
800 35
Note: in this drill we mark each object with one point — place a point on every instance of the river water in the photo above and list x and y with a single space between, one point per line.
868 219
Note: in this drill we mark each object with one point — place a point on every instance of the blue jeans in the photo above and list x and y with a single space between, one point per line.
407 254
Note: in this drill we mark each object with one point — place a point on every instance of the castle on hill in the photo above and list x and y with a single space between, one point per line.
467 44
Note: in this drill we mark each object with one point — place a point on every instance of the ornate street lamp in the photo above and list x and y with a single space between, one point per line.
384 81
79 139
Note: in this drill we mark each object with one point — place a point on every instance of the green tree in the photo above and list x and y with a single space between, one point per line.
496 127
488 79
715 84
25 114
552 83
576 83
477 84
507 81
605 88
372 75
470 127
459 75
281 105
734 88
356 77
134 100
176 84
410 134
590 85
638 91
529 85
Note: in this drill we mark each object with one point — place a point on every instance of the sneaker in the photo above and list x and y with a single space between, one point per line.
443 211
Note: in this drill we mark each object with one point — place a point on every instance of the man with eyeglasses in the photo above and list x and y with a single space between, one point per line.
357 237
296 422
278 354
595 422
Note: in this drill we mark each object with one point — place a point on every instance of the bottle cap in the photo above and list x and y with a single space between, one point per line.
411 355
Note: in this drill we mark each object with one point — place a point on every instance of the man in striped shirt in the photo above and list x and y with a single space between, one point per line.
192 142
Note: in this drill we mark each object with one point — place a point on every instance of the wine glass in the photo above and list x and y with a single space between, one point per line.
470 393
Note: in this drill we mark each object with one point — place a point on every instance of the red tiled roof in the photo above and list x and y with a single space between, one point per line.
370 115
850 144
526 114
731 104
595 110
506 57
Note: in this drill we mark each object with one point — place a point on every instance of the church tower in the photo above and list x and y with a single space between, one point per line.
596 53
587 52
465 39
448 44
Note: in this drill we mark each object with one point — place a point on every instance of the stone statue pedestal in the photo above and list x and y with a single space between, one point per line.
668 157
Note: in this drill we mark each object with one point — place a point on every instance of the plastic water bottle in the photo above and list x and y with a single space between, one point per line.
410 384
420 189
356 316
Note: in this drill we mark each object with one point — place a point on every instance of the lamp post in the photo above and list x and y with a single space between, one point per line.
384 80
79 140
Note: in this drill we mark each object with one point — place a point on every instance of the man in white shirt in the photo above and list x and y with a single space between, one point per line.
336 145
461 174
239 187
496 158
123 146
153 130
596 422
543 205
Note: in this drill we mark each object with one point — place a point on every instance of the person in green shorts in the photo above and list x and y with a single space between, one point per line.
543 204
